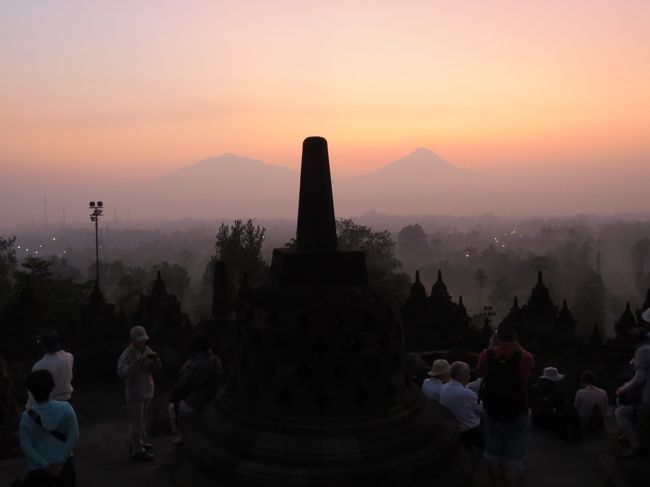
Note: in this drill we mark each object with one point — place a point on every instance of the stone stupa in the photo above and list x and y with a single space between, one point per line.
318 393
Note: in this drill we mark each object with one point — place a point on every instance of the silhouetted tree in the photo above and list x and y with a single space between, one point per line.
412 243
379 247
240 246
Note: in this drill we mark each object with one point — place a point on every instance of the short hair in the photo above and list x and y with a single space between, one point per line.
458 369
41 384
50 341
588 377
199 342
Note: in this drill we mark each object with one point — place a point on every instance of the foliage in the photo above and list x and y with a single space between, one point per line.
412 243
7 266
379 248
240 246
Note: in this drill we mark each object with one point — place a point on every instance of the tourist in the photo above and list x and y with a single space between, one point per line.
59 363
505 367
591 404
135 366
438 375
48 434
199 381
631 412
463 404
550 408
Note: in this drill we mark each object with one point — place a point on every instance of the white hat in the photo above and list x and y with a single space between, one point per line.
138 333
552 374
439 367
645 316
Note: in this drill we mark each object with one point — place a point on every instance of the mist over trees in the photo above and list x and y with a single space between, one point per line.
597 265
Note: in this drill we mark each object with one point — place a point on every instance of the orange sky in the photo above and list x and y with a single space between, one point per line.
139 88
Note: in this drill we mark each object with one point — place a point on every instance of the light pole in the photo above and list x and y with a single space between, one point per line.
97 210
487 314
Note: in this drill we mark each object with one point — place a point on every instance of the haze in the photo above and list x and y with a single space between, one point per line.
545 106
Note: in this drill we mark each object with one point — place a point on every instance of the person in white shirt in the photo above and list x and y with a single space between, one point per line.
59 363
591 403
463 404
438 375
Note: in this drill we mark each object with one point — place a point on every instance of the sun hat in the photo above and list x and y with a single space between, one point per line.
439 367
645 316
552 374
138 333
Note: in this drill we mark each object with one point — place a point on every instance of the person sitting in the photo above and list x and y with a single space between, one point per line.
463 404
629 412
438 375
59 363
199 381
550 408
591 404
48 435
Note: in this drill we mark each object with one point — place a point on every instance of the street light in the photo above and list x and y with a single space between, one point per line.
97 210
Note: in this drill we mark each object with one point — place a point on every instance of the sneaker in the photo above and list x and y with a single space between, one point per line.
178 441
143 456
147 446
630 452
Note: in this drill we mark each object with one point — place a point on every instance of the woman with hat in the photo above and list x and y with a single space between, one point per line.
438 375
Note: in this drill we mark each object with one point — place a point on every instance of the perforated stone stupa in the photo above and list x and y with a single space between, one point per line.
318 394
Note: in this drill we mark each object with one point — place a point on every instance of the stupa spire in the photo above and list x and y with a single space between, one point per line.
316 221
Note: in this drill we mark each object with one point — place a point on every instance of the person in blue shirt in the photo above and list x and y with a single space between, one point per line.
48 435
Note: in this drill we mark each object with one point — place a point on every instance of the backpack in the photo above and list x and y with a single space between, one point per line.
501 392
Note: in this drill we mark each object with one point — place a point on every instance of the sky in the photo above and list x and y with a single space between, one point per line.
131 89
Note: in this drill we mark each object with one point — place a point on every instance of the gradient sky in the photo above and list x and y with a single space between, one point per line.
136 88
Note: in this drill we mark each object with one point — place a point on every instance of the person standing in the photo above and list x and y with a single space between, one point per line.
505 367
136 366
438 376
59 363
48 434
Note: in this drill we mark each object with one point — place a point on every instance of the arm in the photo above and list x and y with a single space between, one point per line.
481 367
155 364
28 446
71 430
637 381
126 365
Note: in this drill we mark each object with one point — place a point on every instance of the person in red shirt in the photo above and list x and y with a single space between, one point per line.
505 368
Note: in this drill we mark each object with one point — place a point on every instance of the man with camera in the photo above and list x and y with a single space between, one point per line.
136 366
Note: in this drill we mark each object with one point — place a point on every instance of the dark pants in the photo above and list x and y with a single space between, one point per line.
40 478
473 437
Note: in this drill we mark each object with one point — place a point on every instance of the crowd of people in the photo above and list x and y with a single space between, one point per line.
48 427
494 412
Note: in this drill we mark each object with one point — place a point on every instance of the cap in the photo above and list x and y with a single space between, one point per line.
138 333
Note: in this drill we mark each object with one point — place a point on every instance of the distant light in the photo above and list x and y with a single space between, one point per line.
53 238
504 245
19 246
65 251
40 246
36 251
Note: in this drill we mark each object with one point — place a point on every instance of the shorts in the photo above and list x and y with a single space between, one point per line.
505 443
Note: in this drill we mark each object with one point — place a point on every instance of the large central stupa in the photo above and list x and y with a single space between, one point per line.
318 394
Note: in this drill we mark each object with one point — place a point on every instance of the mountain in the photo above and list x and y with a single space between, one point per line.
224 186
418 182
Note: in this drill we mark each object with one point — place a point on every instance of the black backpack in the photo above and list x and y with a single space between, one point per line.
501 391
